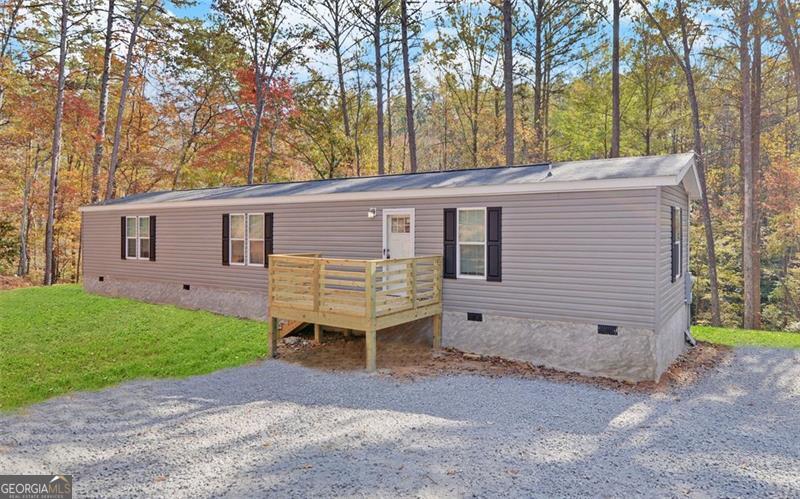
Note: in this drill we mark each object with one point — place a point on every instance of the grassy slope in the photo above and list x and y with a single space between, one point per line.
744 337
59 339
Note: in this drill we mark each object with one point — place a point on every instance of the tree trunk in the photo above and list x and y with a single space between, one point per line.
100 132
508 79
255 132
410 127
538 63
615 84
705 209
56 149
123 95
342 91
376 41
25 215
751 301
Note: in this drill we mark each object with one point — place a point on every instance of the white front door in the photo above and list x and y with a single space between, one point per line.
398 233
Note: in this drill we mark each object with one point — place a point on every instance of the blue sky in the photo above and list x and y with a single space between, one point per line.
200 9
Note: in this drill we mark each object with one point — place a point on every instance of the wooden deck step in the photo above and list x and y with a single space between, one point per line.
288 327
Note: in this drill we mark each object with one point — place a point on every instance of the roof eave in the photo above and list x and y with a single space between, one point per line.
484 190
690 180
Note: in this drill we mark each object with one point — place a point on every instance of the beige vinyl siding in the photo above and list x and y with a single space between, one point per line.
671 294
579 256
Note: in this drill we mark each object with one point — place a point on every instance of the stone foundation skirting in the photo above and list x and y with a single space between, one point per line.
634 354
567 346
244 304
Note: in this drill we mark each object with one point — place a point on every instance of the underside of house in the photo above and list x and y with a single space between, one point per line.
580 266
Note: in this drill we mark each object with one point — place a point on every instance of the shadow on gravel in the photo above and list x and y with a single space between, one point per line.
277 428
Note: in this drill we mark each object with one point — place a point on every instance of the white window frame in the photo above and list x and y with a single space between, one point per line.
459 243
248 239
137 237
231 239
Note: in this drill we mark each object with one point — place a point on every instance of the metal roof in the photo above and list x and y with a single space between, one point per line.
586 173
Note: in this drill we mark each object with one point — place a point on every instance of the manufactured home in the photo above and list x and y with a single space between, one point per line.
580 266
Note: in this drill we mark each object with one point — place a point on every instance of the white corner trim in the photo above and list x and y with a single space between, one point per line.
484 190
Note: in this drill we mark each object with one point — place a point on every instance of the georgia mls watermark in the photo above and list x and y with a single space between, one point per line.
35 486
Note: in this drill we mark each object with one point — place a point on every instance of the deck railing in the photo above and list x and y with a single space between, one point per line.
357 294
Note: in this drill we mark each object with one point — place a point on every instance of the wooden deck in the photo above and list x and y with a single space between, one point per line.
365 295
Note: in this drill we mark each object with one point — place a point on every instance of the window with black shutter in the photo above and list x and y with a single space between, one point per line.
676 246
138 238
226 236
247 239
268 237
152 238
124 238
494 219
473 243
449 250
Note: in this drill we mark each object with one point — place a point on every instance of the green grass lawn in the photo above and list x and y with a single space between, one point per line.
744 337
59 339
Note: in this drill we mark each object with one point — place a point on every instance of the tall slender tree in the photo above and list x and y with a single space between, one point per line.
55 153
102 108
508 77
139 14
405 17
261 30
615 110
372 15
332 23
687 32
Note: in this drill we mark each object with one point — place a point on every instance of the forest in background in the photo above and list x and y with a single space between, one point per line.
106 98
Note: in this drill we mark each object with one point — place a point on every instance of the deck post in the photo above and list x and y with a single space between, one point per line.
370 335
273 336
437 331
372 351
317 334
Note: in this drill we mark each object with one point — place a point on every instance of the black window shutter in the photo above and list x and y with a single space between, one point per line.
673 248
268 237
494 236
450 227
124 242
152 238
226 235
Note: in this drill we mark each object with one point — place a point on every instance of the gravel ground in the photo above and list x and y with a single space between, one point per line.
274 428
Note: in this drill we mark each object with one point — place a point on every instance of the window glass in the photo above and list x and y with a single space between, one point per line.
130 223
144 226
237 251
257 252
144 247
131 247
471 226
256 226
472 259
401 225
237 226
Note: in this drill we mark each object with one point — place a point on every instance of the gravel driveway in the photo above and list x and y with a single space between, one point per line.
280 429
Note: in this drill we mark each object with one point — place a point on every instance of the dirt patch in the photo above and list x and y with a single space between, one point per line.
13 282
404 360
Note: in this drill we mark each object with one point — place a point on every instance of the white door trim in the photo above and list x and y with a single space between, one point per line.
398 211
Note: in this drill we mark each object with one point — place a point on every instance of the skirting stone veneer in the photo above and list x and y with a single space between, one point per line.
567 346
244 304
635 354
